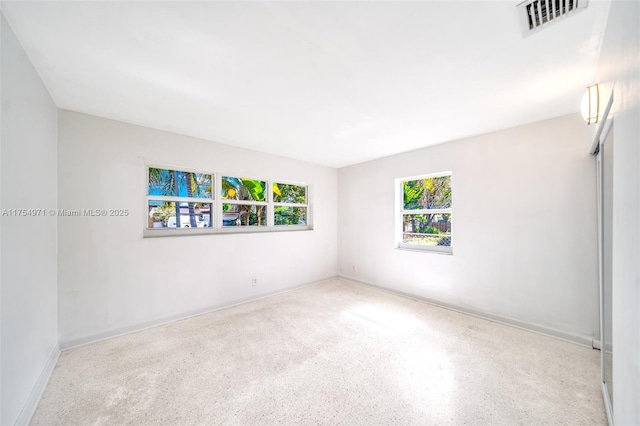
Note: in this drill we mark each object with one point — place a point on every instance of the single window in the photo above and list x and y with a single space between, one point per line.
179 199
244 202
424 219
290 204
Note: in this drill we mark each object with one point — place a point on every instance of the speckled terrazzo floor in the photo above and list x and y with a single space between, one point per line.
332 353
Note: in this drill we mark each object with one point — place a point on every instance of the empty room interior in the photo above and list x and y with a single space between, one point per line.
320 212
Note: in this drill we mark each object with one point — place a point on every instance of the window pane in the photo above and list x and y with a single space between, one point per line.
427 229
429 193
286 193
166 214
243 215
290 215
175 183
234 188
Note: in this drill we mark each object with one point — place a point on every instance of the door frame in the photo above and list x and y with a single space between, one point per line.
604 129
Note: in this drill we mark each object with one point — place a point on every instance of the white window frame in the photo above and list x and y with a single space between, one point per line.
217 201
148 232
306 205
400 212
242 229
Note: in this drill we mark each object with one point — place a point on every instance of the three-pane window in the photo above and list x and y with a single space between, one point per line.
186 199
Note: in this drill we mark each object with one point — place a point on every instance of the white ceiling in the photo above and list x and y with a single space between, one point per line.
334 83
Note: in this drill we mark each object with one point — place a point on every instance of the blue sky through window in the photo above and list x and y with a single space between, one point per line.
174 183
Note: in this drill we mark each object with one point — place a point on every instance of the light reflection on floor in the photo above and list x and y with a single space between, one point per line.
422 372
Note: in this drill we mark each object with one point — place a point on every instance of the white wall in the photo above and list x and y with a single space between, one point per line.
524 217
619 70
111 278
28 246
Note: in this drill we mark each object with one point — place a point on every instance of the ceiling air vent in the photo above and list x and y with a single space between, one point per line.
539 14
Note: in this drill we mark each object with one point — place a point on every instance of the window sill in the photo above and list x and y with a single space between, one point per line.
171 232
426 249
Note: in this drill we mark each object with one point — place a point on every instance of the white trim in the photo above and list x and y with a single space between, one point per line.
240 229
605 127
310 206
579 339
245 202
600 203
425 176
30 405
217 223
227 230
607 403
176 232
180 199
66 344
280 228
427 211
270 207
430 249
595 145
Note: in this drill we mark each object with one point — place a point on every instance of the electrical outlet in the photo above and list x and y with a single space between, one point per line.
254 281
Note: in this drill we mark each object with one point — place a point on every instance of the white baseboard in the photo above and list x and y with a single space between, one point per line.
32 401
66 344
582 340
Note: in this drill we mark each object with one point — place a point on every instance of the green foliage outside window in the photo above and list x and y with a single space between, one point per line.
428 193
424 227
234 188
286 193
290 194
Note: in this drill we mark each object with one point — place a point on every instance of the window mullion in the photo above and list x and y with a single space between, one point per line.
218 198
270 209
245 202
179 199
427 211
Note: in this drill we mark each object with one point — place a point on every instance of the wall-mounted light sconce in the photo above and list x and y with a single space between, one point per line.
591 104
